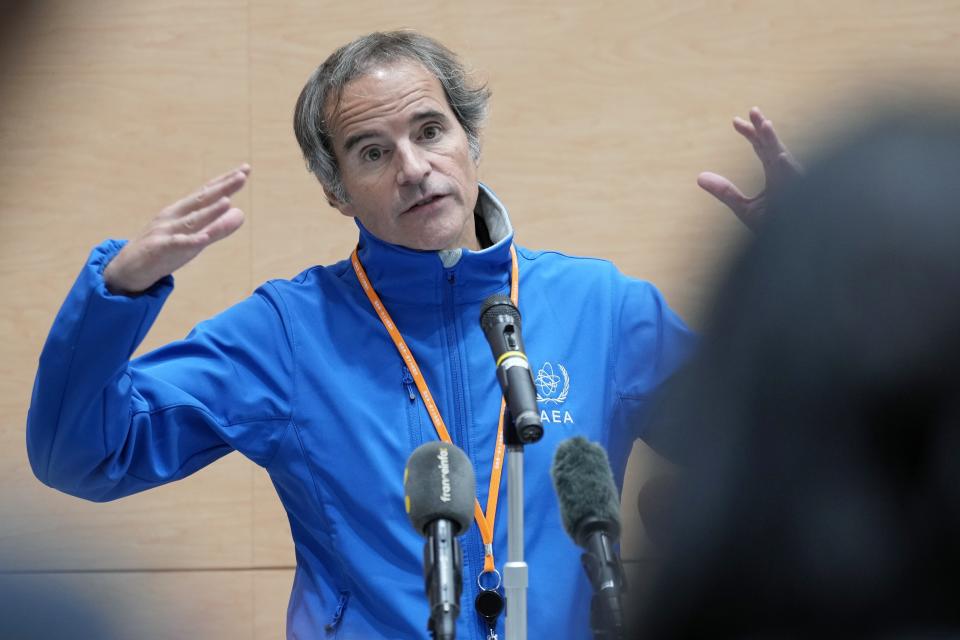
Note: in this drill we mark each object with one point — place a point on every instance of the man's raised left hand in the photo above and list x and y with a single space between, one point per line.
778 165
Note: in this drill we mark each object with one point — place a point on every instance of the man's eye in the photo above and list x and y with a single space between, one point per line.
372 155
431 132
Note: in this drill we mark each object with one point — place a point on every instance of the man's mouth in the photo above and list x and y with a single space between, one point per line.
423 203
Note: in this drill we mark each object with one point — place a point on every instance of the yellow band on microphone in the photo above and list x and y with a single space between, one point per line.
510 354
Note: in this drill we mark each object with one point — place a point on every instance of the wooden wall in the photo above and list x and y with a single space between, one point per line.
603 114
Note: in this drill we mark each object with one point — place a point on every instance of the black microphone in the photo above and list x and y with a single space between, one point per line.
500 320
590 510
439 490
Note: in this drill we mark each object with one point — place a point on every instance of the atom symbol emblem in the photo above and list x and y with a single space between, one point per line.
548 382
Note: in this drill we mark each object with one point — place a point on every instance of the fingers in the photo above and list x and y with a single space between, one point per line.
243 168
724 191
752 130
756 117
222 220
748 210
768 137
224 185
199 219
760 133
746 129
770 147
224 225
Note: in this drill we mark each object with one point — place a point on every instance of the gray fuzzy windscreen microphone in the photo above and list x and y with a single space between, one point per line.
590 510
586 489
438 483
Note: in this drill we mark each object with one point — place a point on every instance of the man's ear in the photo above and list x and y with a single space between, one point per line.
336 203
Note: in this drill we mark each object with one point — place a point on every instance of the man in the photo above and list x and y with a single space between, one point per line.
306 378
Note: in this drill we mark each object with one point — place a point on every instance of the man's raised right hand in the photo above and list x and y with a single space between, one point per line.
177 234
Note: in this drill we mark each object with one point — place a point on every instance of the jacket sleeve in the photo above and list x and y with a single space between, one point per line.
101 427
654 342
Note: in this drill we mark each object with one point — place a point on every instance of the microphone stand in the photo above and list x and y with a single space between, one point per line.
500 321
515 570
609 581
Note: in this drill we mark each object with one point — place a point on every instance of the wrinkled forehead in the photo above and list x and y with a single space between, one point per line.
383 93
366 83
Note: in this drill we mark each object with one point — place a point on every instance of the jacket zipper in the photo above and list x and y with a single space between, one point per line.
472 545
413 413
455 369
408 384
331 626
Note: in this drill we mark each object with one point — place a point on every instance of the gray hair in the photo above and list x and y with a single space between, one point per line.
468 102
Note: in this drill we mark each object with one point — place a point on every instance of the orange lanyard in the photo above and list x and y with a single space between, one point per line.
484 520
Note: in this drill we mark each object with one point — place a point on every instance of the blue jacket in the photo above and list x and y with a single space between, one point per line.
303 379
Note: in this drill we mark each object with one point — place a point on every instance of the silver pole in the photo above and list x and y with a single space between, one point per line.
515 571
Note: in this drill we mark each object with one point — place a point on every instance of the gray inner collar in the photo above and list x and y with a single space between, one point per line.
494 215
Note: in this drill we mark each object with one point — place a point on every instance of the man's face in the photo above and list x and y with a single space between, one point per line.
404 159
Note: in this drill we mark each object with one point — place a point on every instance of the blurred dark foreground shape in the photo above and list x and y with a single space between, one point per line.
818 428
48 606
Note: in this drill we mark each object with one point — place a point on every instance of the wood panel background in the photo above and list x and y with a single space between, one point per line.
603 113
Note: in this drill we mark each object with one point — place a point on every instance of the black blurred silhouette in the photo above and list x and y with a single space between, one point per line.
818 427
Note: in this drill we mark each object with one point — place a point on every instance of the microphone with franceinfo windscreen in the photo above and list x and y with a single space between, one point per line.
439 489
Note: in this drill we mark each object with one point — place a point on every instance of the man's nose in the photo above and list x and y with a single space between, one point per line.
414 166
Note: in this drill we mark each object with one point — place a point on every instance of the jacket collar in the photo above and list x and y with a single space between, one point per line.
407 275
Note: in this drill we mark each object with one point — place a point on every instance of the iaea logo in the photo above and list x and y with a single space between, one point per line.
552 388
